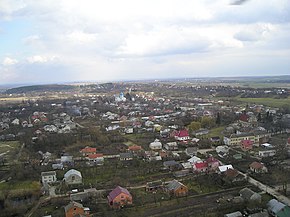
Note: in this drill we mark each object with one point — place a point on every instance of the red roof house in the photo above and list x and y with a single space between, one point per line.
181 135
200 166
119 197
135 148
88 150
212 163
247 144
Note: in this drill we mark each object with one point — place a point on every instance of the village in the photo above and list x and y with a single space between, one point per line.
149 149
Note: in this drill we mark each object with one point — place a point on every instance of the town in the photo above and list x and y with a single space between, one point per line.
156 148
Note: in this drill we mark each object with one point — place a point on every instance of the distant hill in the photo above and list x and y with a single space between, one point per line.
40 88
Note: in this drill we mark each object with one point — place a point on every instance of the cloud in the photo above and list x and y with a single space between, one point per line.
256 32
96 39
8 7
9 61
40 59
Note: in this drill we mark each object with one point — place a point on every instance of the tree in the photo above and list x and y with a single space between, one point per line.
194 125
207 122
218 119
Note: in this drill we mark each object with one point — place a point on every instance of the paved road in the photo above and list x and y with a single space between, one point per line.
270 191
267 189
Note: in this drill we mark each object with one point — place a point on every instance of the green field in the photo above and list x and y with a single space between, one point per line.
264 85
278 103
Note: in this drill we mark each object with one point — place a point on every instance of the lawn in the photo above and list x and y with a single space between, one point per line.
216 131
8 146
28 185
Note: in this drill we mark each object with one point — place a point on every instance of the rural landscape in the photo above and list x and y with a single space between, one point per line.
186 147
140 108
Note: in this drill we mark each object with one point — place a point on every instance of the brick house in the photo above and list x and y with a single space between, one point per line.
257 167
119 197
76 209
176 188
247 144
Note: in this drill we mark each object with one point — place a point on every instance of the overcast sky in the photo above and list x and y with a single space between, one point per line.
101 40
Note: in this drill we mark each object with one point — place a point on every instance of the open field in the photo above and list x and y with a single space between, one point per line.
266 101
264 85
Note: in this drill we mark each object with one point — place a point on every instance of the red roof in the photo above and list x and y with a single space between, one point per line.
247 142
135 148
118 190
244 117
88 150
200 165
93 156
211 160
182 133
256 165
288 140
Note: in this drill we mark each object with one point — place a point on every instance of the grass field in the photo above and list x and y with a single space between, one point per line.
266 101
264 85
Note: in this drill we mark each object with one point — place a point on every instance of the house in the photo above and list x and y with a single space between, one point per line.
236 139
176 188
267 145
48 177
224 168
156 145
135 148
73 177
181 173
187 165
250 196
97 159
201 132
233 176
215 139
234 214
79 196
237 156
257 167
126 156
119 197
172 165
67 160
57 166
181 135
191 151
74 209
247 144
278 209
222 150
267 153
129 130
154 186
200 166
212 163
264 213
88 150
171 146
194 159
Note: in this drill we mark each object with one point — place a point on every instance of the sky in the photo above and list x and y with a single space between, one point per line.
54 41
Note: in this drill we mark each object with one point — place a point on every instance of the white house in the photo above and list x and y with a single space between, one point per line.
73 177
171 146
156 145
48 177
224 168
267 153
